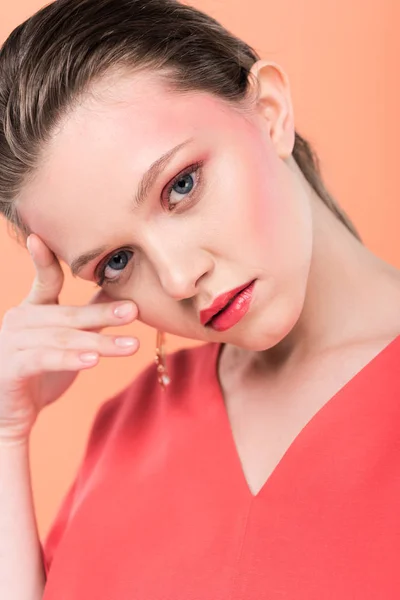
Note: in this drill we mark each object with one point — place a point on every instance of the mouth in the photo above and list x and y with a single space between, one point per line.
229 308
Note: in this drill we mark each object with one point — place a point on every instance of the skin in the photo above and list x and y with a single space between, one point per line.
320 294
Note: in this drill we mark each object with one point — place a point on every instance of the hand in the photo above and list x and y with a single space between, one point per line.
43 346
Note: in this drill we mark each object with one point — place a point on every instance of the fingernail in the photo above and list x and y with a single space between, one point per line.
28 246
123 310
125 342
89 357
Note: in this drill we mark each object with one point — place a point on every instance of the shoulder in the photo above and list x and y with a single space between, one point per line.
137 402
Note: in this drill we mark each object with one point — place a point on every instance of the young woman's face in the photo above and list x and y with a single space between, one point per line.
224 210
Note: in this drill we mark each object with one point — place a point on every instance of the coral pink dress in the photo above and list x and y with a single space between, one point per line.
160 509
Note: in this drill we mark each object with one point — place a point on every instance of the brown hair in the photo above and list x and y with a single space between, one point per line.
49 61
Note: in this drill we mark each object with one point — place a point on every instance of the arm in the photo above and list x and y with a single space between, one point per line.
22 574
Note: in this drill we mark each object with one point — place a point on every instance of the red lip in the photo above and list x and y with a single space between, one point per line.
220 303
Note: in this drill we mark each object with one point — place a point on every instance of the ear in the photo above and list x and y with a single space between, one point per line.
270 85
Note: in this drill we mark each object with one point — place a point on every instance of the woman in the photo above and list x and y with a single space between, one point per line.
156 155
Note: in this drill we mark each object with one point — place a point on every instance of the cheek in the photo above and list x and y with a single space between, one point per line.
271 221
253 207
272 201
147 294
281 215
164 315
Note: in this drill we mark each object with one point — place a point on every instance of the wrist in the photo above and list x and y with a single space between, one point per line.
8 440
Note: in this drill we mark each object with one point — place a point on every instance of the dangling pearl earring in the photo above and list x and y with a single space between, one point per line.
163 377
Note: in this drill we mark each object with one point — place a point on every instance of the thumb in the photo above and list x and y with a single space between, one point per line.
49 278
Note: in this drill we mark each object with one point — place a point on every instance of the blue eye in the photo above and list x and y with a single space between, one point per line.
183 189
184 185
117 262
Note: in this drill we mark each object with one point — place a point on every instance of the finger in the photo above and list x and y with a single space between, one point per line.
101 297
49 278
76 317
73 339
36 361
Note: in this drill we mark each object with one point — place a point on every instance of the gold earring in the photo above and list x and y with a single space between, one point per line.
163 377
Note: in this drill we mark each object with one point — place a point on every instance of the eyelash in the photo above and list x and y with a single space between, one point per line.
190 170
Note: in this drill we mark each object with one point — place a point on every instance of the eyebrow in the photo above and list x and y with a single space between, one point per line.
145 185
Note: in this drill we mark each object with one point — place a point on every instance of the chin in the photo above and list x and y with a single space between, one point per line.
268 329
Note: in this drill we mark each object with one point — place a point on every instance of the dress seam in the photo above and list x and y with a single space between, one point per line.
240 553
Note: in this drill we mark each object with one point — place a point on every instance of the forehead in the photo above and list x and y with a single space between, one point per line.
98 153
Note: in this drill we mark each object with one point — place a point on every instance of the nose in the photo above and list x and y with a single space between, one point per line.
179 269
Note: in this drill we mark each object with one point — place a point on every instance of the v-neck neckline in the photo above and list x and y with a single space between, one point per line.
311 423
